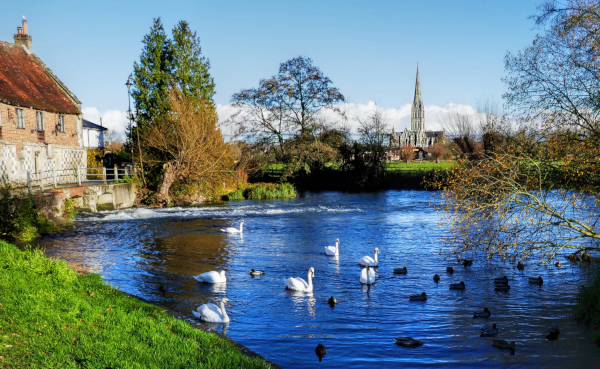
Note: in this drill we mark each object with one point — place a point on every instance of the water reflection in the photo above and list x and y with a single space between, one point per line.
139 250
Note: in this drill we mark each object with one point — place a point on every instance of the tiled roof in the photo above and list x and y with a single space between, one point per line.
26 81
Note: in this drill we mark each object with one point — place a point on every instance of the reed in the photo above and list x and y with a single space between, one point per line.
587 310
263 191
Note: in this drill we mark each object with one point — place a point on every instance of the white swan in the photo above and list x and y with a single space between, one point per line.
299 284
333 250
234 230
367 260
212 277
211 313
367 275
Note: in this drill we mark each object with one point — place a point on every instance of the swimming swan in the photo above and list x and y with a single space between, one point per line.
299 284
333 250
211 313
367 260
367 275
234 230
211 277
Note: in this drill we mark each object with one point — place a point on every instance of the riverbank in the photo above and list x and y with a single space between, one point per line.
51 316
398 175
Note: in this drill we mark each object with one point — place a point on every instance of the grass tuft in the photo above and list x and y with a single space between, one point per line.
263 191
52 317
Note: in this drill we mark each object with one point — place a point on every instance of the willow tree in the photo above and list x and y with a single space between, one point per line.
189 143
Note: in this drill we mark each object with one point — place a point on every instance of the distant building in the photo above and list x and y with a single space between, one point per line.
40 119
417 136
93 135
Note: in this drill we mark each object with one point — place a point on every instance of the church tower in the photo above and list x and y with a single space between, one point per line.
417 121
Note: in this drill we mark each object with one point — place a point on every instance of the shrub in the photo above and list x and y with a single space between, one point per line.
20 217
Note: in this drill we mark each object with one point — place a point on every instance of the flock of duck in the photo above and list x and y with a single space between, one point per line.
217 314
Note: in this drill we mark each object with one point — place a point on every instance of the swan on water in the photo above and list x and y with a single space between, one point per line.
211 277
367 260
234 230
299 284
211 313
333 250
367 275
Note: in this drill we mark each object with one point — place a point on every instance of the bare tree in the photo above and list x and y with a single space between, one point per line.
191 143
462 127
289 103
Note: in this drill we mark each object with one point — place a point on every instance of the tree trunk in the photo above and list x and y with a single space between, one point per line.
167 177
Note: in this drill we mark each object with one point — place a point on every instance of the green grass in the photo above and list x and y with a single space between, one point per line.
52 317
400 166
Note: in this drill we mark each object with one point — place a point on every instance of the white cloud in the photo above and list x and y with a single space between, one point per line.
399 118
115 120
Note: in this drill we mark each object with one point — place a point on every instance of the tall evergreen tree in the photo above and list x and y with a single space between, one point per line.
152 76
189 67
166 64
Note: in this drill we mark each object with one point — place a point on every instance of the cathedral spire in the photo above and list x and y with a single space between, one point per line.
418 88
417 121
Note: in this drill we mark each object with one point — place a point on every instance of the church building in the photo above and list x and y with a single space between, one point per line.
417 136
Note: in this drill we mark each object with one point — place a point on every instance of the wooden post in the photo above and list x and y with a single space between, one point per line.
116 174
54 176
79 176
29 181
41 177
104 174
126 172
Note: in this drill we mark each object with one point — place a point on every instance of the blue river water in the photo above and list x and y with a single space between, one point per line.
137 250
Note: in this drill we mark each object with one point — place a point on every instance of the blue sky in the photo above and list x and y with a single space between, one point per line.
369 49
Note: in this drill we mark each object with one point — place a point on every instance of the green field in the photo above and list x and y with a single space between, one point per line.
52 317
413 166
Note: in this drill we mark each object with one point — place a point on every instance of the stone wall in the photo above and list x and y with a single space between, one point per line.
90 198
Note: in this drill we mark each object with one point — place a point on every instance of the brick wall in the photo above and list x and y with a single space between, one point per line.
25 150
51 135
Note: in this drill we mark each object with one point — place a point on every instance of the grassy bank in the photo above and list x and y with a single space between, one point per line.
398 175
52 317
262 191
587 310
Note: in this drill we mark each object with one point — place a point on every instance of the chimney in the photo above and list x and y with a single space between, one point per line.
22 38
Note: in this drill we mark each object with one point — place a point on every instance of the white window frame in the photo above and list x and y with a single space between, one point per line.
20 119
39 118
61 123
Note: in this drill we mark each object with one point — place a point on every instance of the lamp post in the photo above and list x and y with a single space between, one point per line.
130 115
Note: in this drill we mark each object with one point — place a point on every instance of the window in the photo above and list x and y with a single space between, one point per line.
20 120
61 123
40 120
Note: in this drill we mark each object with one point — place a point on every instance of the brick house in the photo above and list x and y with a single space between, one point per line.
40 119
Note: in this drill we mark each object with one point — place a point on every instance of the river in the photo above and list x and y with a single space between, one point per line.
137 250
